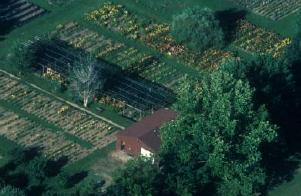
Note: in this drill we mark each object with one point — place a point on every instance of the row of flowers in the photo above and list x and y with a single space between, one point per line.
258 40
156 35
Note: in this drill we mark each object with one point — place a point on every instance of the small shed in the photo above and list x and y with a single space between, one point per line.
143 137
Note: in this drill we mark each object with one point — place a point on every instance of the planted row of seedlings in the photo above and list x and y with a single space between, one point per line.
73 121
129 58
16 12
274 9
29 134
254 39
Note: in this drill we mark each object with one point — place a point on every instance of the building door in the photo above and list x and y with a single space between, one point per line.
122 145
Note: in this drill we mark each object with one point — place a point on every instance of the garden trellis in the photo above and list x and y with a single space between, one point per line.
139 95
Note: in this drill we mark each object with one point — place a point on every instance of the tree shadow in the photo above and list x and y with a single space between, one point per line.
280 165
76 178
12 172
5 26
228 21
140 93
53 167
36 190
124 85
282 159
19 180
19 156
9 22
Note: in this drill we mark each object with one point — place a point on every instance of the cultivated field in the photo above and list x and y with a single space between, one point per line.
94 133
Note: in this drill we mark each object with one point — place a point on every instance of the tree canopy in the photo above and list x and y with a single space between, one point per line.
198 29
138 177
214 145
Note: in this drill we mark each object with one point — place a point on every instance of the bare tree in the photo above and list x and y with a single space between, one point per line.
86 78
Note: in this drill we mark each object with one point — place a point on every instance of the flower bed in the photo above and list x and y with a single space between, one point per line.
257 40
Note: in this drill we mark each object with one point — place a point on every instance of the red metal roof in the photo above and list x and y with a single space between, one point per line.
147 130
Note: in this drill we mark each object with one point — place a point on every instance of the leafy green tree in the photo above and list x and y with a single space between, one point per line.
216 138
35 169
272 79
138 177
275 84
198 28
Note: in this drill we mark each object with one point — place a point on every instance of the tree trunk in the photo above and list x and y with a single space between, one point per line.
86 99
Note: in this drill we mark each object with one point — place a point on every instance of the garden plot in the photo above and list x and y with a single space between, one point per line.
155 35
56 59
258 40
29 134
86 39
128 58
16 12
97 132
274 9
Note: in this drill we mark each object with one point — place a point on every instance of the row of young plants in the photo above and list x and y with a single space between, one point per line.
31 135
128 58
257 40
271 8
71 120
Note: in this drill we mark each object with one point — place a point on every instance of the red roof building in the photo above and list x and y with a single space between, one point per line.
143 137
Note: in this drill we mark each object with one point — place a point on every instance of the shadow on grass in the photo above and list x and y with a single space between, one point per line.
283 158
228 21
76 178
5 26
29 170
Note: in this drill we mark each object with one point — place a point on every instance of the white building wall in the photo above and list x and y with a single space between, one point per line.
146 153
